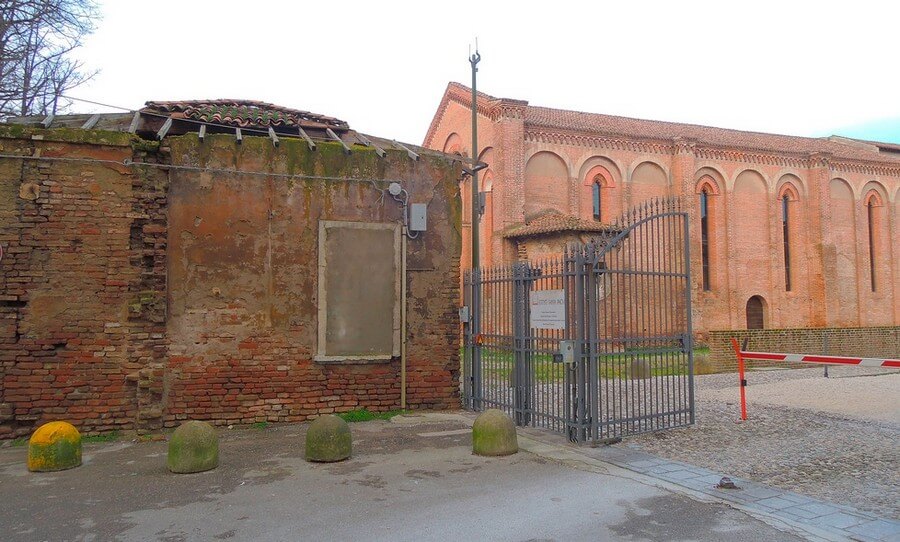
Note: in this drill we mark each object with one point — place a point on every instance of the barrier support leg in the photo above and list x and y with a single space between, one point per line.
740 360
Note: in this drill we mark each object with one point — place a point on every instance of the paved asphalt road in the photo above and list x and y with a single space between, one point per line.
410 481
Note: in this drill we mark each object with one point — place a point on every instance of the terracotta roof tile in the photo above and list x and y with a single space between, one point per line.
245 114
554 223
612 125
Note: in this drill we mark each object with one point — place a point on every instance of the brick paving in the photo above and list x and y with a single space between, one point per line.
844 459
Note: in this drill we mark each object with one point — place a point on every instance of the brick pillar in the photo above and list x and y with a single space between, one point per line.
509 176
684 167
818 180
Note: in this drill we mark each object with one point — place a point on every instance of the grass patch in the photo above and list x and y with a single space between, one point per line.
260 425
365 415
21 441
112 436
497 364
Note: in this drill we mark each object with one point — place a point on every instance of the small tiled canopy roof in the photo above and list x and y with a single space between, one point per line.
245 114
555 223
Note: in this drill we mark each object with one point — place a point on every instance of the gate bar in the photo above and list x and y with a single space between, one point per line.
742 354
740 358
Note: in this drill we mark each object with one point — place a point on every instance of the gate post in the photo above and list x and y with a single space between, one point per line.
468 388
475 335
577 432
521 384
593 343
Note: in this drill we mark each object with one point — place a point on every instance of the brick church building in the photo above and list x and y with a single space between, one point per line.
787 232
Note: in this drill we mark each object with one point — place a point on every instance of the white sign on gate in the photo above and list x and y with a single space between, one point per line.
548 309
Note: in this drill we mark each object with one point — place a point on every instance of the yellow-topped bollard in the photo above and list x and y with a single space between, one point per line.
54 446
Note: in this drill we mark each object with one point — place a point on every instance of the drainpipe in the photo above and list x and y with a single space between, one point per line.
403 321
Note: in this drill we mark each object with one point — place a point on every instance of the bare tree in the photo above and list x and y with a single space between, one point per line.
37 38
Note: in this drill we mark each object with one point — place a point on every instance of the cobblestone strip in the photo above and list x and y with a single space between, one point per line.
817 519
833 439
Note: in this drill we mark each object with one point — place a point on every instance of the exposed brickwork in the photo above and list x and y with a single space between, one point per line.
868 342
135 297
81 279
548 158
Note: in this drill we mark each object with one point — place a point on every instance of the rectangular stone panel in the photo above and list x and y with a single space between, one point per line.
359 290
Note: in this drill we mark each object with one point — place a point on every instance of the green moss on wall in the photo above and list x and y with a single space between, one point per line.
68 135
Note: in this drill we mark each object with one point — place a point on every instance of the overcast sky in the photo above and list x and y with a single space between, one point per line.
802 68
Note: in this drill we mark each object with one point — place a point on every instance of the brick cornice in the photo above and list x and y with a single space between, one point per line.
753 157
536 134
866 168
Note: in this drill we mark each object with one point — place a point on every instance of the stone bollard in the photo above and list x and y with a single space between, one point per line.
328 440
494 433
54 446
639 369
194 447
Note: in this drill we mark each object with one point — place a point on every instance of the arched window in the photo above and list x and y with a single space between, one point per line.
871 220
598 195
788 196
755 313
704 236
706 192
596 198
785 230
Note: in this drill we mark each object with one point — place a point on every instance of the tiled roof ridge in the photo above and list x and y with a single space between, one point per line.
239 112
572 121
556 222
663 122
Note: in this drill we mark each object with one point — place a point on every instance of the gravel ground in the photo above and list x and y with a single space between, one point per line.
835 439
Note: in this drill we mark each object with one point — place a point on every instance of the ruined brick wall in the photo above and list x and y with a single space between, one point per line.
869 342
243 281
81 280
134 297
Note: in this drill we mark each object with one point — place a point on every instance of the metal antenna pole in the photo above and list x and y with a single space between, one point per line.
475 324
476 263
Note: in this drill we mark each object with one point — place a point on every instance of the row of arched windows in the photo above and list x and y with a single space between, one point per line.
788 202
787 215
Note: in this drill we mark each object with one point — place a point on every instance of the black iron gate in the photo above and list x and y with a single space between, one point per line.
596 342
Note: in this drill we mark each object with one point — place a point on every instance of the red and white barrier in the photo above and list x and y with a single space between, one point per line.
801 358
830 360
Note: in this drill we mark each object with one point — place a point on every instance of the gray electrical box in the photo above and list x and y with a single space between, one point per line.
464 314
567 351
418 217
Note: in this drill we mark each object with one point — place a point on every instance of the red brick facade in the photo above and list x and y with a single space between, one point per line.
134 297
543 158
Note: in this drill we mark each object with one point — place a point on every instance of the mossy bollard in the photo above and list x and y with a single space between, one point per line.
639 369
328 439
194 447
494 433
54 446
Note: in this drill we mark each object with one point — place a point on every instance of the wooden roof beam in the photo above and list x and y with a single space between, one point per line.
339 140
401 146
309 141
165 129
368 143
134 122
91 122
